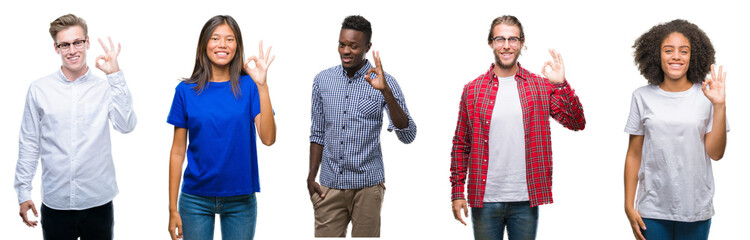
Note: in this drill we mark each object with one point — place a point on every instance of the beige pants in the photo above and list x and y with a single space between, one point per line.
360 206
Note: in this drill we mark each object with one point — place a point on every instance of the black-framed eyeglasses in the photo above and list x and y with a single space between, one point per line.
78 44
513 41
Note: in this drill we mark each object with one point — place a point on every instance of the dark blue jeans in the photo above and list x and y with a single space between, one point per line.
657 229
491 220
90 224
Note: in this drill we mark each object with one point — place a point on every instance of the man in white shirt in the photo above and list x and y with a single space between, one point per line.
66 123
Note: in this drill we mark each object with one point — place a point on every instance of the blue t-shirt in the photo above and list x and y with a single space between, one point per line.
222 158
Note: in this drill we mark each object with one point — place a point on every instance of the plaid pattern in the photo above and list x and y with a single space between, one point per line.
347 118
539 100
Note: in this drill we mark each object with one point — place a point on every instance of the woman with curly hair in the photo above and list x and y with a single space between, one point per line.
222 105
677 124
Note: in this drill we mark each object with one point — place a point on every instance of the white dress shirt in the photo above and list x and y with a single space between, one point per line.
66 124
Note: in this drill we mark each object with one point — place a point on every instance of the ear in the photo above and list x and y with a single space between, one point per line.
88 43
369 45
54 45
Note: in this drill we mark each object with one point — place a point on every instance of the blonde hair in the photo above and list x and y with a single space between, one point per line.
64 22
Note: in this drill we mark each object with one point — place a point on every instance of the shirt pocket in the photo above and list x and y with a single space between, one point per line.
370 106
92 111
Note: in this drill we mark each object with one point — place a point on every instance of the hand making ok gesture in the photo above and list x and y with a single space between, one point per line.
557 73
379 82
109 59
714 87
258 74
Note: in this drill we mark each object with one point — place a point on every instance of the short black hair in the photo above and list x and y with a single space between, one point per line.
648 51
358 23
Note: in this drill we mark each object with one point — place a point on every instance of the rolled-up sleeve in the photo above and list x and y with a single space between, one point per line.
409 133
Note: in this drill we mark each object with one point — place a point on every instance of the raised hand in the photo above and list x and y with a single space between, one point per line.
262 62
109 59
379 82
557 73
714 87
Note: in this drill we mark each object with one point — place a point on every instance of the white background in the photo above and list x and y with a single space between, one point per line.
432 49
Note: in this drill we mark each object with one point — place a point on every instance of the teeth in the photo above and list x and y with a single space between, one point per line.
222 54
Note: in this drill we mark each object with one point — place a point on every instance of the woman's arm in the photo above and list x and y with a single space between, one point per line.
632 166
176 158
714 89
265 120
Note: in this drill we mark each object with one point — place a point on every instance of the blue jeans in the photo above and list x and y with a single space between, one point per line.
490 221
237 214
657 229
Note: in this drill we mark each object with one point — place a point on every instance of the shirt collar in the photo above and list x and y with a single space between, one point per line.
82 78
360 73
521 74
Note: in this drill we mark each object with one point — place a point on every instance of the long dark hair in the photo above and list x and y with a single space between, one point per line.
202 71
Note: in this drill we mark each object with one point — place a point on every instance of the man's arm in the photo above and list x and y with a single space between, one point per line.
317 135
28 157
564 105
121 108
404 125
460 159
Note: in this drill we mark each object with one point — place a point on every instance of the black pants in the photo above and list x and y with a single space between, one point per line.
94 223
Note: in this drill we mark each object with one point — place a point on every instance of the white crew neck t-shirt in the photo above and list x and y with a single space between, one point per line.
506 171
675 180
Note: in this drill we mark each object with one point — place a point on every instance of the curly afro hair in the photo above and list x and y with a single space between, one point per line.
358 23
648 51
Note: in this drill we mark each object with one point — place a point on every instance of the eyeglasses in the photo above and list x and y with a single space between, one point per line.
513 41
78 44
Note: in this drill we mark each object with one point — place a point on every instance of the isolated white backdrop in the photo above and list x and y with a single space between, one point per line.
433 49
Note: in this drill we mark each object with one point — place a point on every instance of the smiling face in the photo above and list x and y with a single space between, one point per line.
353 47
506 54
222 46
675 57
73 59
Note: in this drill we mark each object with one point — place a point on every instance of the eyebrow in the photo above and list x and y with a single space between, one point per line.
665 46
74 40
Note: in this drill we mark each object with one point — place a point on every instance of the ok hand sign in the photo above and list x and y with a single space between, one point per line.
714 87
109 59
379 82
258 74
557 73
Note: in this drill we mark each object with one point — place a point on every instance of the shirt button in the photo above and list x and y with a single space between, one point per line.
347 96
341 157
342 172
344 112
485 140
344 127
351 82
490 101
495 85
484 180
342 142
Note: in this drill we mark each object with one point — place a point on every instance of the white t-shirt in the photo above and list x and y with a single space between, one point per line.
675 180
506 171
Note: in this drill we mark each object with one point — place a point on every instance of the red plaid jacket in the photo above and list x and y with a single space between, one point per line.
539 100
